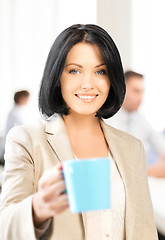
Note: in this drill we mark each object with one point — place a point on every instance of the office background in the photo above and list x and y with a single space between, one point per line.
28 29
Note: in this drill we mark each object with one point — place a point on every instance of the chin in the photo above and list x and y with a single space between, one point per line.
135 109
84 113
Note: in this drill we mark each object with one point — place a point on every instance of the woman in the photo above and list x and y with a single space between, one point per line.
82 83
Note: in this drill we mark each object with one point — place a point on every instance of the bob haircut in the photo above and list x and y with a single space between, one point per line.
50 97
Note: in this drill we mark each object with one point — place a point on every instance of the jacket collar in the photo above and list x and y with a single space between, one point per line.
118 147
58 138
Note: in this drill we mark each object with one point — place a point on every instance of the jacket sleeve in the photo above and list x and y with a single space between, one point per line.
145 198
16 221
142 222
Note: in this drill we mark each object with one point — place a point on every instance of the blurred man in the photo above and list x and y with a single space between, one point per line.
17 116
130 120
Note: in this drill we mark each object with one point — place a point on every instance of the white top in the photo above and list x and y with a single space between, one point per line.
109 224
136 124
19 115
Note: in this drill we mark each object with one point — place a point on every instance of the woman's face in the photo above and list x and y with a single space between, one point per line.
84 81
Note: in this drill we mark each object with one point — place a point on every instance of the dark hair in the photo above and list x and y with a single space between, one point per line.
20 94
50 97
131 74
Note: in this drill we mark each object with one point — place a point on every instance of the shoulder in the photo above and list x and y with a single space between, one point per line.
123 142
40 129
119 134
127 148
22 132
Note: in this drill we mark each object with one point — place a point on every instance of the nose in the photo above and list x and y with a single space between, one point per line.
87 82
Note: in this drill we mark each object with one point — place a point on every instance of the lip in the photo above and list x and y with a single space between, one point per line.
86 97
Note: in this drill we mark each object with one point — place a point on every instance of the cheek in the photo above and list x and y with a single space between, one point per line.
67 89
63 89
64 84
67 82
130 95
104 82
106 86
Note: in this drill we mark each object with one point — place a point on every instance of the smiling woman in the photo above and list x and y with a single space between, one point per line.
83 83
108 62
84 79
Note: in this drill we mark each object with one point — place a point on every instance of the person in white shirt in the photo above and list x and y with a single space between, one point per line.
130 120
17 116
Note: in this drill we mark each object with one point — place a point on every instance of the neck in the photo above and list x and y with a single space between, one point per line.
81 123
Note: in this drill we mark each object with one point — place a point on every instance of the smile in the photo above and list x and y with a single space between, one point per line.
86 98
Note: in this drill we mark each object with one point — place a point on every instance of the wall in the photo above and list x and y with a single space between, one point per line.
27 30
137 26
115 17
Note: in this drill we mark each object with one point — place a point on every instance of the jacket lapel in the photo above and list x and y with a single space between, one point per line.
126 158
58 138
118 147
120 152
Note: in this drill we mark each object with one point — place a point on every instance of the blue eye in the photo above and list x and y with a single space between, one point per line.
74 71
100 72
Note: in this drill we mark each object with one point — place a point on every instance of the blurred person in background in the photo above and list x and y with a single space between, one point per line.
17 116
129 119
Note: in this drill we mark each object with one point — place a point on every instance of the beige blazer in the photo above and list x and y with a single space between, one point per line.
32 149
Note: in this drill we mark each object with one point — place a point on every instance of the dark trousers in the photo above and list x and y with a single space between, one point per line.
161 237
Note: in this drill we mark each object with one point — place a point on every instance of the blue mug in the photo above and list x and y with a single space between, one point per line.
87 184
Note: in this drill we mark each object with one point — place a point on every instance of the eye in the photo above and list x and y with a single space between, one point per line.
73 71
101 72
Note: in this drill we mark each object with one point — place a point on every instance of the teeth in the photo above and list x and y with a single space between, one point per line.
86 97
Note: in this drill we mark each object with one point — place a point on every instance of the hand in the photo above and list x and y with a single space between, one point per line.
50 199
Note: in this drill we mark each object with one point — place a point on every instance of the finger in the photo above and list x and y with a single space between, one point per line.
60 205
52 192
51 176
63 199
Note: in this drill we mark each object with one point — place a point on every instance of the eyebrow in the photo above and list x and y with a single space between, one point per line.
78 65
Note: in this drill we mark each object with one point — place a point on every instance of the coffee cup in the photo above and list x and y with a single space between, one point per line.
87 184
